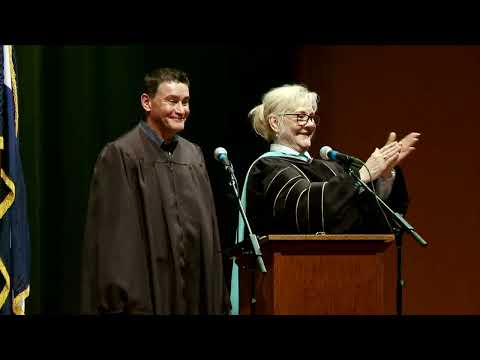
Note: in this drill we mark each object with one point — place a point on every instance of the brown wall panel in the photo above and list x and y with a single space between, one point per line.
367 91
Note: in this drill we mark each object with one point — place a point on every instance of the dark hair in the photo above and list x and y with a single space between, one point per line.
153 79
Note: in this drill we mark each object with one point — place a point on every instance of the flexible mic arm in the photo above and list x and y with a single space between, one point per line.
253 238
398 218
402 225
229 167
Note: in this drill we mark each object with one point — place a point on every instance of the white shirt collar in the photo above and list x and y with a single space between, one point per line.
288 150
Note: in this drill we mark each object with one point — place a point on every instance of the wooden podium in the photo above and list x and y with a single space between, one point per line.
319 275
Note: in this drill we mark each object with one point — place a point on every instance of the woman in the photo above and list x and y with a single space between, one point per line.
287 191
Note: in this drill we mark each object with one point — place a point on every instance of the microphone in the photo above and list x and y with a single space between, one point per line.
220 155
327 153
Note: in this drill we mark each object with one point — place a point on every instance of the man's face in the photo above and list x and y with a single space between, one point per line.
168 109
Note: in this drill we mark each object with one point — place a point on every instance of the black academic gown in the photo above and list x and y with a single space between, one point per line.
290 196
152 243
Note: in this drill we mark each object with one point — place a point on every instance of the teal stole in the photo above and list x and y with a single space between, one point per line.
234 287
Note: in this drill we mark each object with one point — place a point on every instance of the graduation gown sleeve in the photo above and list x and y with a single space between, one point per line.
115 275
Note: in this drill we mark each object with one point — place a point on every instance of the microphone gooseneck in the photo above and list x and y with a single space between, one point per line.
327 153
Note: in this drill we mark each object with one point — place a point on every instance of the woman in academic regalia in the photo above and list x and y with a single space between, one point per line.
287 191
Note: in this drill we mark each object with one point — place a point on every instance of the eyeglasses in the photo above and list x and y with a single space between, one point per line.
303 119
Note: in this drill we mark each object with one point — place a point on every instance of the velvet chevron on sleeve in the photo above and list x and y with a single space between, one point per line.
286 195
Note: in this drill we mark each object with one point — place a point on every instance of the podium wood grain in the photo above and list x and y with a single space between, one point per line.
320 275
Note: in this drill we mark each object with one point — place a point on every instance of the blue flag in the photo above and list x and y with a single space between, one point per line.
14 230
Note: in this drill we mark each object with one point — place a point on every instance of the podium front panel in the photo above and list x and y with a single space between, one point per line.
320 276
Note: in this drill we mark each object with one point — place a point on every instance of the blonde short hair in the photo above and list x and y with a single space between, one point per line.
283 99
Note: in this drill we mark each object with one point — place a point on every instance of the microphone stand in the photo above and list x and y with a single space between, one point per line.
400 226
253 238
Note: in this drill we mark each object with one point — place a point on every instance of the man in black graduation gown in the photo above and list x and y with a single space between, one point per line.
152 243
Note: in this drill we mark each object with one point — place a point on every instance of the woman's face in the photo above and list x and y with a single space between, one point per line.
295 129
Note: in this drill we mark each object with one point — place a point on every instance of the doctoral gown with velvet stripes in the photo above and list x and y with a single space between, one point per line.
151 242
288 196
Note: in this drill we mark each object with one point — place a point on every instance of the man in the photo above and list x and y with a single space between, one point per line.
152 240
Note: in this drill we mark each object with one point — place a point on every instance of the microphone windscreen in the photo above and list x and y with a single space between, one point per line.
219 151
324 152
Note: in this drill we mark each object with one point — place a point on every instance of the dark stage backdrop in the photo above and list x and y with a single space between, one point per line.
75 99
